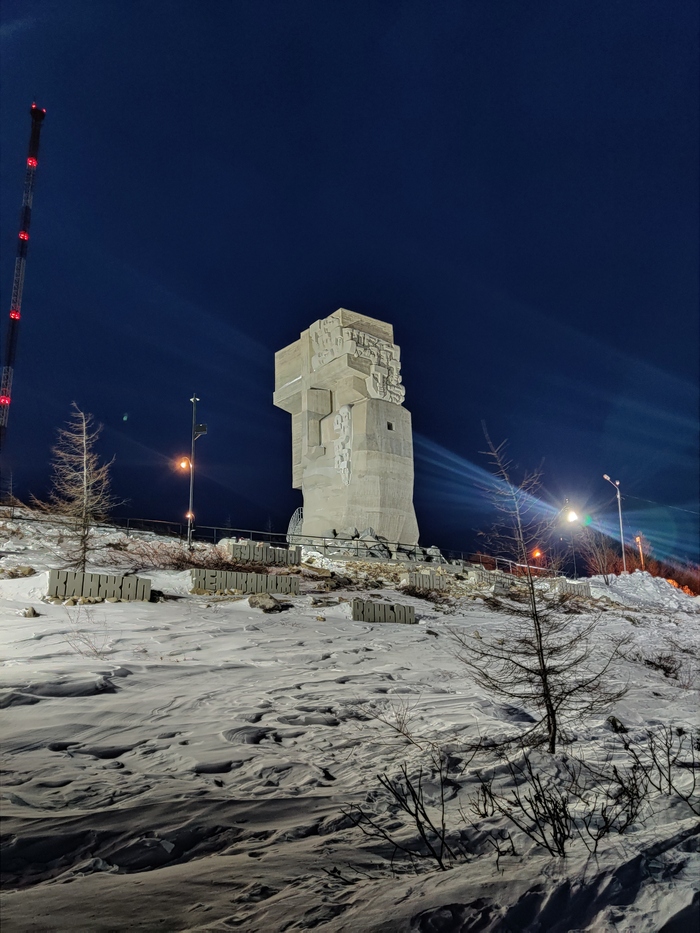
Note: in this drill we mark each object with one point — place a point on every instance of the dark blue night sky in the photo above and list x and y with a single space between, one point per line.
513 185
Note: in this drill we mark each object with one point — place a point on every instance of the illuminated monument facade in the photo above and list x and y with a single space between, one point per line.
352 445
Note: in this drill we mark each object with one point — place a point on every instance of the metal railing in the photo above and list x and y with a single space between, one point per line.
336 547
340 547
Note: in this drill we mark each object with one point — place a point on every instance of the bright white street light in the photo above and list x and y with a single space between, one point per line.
570 515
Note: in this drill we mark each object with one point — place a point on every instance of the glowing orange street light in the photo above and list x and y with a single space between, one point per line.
537 554
185 463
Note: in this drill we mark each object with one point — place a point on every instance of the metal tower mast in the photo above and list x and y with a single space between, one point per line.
37 115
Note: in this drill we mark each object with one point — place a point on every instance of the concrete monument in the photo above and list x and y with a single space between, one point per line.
352 446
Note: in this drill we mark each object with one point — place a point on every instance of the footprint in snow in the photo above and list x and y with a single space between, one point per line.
247 735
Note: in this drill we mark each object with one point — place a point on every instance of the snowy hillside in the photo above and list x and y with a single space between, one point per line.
196 764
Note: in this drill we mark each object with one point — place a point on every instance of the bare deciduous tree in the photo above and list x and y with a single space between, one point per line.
544 659
80 495
599 555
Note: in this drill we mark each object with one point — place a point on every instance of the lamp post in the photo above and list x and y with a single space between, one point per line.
616 487
571 518
638 539
538 559
197 431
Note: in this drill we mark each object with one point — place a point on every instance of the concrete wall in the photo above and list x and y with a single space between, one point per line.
489 577
66 584
367 611
259 553
424 581
568 588
214 580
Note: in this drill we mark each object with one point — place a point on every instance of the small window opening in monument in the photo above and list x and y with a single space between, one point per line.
390 425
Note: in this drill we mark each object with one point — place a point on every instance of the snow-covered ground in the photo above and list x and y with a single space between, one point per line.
188 764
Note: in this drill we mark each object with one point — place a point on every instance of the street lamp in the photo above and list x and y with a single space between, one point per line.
638 539
616 487
188 463
572 517
538 558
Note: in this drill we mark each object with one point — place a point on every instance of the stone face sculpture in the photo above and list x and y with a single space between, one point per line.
352 446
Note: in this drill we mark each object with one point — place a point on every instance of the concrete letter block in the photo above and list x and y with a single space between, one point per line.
91 585
74 583
57 583
110 586
129 586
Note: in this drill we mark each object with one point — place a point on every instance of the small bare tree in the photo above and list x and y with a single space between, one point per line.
545 659
599 555
80 495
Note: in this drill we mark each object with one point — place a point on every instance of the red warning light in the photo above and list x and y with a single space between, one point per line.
32 163
23 235
14 314
4 399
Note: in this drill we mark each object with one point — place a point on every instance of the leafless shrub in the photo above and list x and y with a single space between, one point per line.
432 596
669 759
668 664
142 555
612 798
429 819
399 716
687 675
540 811
502 843
589 803
86 637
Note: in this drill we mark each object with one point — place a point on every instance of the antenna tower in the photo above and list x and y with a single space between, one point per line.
25 219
